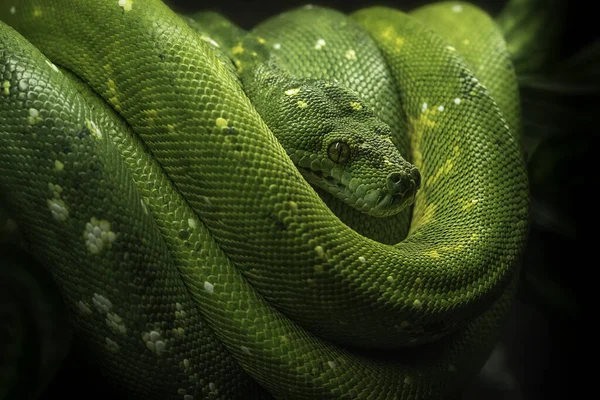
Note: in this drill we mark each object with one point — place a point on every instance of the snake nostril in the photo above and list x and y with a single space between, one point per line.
399 183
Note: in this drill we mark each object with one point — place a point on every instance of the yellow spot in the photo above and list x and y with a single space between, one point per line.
292 92
468 205
320 252
417 128
423 217
302 104
58 165
466 42
434 254
356 105
450 48
474 236
238 66
260 40
350 55
390 279
443 170
37 12
388 33
398 41
221 122
417 303
113 95
171 127
238 49
151 115
126 5
6 87
328 84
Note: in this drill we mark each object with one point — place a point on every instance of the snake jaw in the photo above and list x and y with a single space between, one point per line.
375 201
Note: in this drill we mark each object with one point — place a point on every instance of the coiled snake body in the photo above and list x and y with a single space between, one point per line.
194 257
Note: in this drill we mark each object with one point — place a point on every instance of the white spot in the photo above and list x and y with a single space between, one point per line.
246 350
209 287
126 4
457 8
112 345
13 10
277 46
209 40
84 308
441 108
362 259
424 107
332 364
93 128
116 323
350 55
450 48
58 208
320 44
191 224
51 64
98 236
212 386
154 342
101 303
34 116
144 206
457 101
309 6
292 92
178 306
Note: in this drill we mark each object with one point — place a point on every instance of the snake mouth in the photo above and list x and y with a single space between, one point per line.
377 202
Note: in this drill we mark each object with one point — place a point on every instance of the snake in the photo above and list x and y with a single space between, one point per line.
326 206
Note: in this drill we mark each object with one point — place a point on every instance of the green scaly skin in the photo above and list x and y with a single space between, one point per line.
193 257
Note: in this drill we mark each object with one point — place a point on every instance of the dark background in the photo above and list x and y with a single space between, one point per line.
536 357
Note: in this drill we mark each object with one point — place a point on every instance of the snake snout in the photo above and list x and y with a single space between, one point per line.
404 184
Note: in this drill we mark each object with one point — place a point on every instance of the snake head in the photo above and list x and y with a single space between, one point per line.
338 144
358 163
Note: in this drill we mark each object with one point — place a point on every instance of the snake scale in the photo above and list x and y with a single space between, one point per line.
201 194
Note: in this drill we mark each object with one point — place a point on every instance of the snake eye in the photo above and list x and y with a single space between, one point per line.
338 152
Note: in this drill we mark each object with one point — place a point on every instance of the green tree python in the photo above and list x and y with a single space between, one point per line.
199 257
